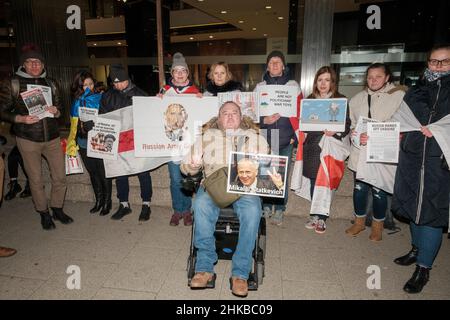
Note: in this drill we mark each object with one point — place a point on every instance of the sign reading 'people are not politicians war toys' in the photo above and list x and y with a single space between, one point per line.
278 99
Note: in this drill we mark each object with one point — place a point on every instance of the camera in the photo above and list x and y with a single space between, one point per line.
191 183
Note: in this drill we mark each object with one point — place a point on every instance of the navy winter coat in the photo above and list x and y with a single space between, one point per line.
422 182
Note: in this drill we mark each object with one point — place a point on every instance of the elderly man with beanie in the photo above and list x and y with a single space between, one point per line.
36 137
117 97
277 74
179 83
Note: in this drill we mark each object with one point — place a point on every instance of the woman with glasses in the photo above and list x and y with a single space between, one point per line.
179 83
422 181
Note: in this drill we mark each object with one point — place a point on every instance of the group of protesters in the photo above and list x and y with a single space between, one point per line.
420 192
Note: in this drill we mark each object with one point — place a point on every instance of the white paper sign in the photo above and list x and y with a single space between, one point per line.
384 142
361 127
248 101
103 139
277 99
87 114
168 127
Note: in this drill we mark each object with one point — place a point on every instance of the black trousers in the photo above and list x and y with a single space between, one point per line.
14 160
96 170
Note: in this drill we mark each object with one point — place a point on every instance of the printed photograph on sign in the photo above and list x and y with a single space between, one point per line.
168 126
323 114
103 139
257 174
36 103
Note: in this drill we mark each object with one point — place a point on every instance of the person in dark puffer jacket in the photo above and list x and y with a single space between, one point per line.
278 74
37 137
422 181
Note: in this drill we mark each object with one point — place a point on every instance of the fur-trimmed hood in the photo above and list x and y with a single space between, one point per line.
246 124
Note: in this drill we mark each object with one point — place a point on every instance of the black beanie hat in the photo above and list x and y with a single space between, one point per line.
278 54
31 51
117 73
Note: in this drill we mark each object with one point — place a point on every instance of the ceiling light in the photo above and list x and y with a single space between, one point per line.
265 34
254 29
95 44
119 43
191 38
268 7
211 37
200 0
241 21
280 18
223 11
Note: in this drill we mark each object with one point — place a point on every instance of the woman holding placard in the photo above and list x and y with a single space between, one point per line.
85 96
378 101
324 88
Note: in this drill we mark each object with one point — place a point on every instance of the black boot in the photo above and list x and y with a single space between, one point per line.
409 258
418 280
26 192
99 203
58 214
107 204
46 220
14 189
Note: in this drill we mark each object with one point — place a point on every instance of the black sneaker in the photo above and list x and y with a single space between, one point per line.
121 212
58 214
145 213
46 221
14 189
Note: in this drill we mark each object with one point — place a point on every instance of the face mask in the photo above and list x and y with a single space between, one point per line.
434 75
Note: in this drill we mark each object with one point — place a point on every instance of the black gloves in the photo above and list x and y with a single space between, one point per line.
88 125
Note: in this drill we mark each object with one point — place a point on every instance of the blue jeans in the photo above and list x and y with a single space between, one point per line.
361 196
280 204
206 213
123 187
181 202
428 240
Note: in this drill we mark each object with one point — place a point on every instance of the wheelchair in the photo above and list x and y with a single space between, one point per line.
226 234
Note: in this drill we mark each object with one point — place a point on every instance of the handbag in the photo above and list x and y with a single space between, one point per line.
216 186
73 164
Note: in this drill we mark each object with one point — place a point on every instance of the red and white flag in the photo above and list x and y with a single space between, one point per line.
330 174
126 163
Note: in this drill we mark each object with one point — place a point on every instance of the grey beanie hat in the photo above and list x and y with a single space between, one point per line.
179 61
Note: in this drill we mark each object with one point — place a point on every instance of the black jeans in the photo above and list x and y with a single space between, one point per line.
14 160
96 170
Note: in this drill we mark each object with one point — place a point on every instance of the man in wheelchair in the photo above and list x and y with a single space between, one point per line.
230 131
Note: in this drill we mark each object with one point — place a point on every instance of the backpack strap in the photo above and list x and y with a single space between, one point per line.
15 88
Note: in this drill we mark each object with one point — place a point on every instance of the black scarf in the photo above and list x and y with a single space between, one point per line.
227 87
281 80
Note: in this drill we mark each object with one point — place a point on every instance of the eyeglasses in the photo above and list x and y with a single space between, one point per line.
33 62
436 62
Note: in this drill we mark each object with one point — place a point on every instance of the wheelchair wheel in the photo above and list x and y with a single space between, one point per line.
190 268
260 272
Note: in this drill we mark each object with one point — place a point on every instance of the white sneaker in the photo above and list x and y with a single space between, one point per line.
311 223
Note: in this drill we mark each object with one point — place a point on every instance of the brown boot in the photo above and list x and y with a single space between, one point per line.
377 230
239 287
357 227
203 280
